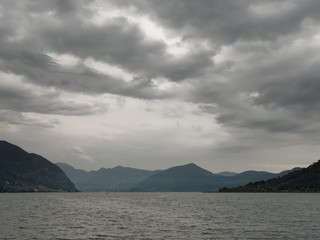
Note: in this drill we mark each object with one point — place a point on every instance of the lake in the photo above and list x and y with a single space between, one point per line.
160 216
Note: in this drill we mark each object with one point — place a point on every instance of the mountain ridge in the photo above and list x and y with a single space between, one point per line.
170 179
105 179
188 178
21 171
300 180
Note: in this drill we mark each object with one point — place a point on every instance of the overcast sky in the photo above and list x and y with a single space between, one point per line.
229 85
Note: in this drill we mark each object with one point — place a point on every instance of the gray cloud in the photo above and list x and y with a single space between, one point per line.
252 66
225 22
16 118
119 42
301 93
275 124
42 70
19 96
46 104
122 43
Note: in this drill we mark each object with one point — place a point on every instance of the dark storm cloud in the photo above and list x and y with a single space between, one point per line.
253 33
301 93
23 60
227 21
42 70
120 43
58 7
250 65
268 124
290 83
65 6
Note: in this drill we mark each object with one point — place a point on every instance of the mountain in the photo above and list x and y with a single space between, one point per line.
75 175
28 172
288 171
254 175
301 180
186 178
248 176
23 172
192 178
105 179
226 174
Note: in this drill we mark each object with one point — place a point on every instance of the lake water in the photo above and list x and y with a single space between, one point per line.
159 216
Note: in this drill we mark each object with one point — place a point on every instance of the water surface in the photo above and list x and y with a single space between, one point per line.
160 216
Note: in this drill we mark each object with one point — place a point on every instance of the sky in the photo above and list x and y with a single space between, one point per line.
228 85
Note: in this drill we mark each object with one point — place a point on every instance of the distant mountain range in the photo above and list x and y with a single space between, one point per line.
227 174
28 172
185 178
111 179
302 180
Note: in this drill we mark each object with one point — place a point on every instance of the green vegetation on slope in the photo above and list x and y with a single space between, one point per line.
304 180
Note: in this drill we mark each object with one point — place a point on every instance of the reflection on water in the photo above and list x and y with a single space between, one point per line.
159 216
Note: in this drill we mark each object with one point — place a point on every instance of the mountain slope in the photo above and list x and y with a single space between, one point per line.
226 174
21 171
191 178
111 179
75 175
186 178
248 176
303 180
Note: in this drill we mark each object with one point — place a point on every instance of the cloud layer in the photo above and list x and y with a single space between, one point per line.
250 67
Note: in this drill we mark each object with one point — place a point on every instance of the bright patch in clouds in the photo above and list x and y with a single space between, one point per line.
65 60
163 84
109 69
106 13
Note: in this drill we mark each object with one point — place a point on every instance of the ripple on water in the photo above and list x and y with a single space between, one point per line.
159 216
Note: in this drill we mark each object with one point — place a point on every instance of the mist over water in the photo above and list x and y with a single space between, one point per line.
159 216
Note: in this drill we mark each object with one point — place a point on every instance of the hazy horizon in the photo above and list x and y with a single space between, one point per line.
228 85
